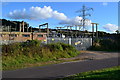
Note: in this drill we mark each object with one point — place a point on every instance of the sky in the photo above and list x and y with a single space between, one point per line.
60 14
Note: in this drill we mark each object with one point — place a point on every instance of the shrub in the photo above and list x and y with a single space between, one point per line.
31 52
106 45
11 49
55 46
31 43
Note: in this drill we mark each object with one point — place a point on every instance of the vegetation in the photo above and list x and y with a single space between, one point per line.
106 45
104 74
33 51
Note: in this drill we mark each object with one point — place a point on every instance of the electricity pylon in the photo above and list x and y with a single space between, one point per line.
84 14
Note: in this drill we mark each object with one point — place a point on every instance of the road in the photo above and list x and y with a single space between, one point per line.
51 72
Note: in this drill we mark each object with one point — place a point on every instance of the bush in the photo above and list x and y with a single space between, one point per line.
31 43
32 51
55 46
11 49
106 45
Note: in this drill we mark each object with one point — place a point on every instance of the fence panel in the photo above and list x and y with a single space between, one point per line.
78 43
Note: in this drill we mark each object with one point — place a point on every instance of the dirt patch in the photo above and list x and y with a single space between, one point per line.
91 55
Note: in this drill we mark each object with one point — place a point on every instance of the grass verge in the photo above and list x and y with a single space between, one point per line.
104 74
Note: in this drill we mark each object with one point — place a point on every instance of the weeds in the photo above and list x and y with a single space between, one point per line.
30 52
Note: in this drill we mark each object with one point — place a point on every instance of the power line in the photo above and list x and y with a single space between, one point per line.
84 14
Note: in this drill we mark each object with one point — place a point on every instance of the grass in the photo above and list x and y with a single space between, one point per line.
33 53
104 74
29 64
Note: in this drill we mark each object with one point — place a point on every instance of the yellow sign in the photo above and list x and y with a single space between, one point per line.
45 40
53 39
76 43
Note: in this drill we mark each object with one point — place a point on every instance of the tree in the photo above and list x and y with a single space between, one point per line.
117 31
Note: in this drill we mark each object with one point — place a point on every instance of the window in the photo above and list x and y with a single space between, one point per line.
26 35
40 35
13 35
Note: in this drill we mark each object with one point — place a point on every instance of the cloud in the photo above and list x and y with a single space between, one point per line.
18 14
36 13
104 3
76 21
110 27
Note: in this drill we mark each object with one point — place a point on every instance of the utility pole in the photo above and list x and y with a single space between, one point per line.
84 14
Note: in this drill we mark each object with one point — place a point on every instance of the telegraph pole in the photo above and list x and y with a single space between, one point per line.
84 14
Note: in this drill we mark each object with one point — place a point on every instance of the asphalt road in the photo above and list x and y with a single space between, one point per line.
59 70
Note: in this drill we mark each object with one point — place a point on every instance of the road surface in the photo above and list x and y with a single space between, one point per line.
59 70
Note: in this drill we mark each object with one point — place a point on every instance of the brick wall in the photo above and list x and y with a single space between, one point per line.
22 36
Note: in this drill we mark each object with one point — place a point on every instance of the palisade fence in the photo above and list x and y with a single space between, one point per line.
78 43
8 41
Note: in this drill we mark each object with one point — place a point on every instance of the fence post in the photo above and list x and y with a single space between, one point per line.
69 40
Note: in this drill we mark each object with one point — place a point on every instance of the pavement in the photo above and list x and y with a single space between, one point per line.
54 71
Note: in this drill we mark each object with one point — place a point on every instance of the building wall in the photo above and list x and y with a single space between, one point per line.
38 37
22 36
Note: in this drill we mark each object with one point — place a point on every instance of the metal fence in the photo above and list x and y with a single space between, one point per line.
8 42
78 43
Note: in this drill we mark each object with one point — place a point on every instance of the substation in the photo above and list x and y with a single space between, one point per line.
75 35
80 40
